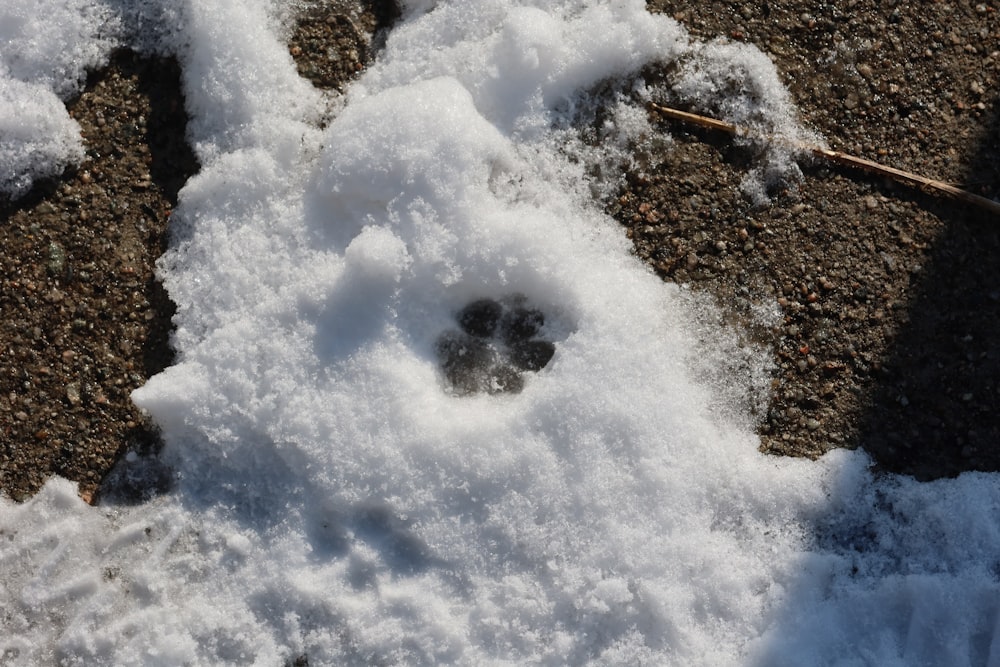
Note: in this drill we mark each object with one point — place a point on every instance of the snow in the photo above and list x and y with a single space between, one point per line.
337 497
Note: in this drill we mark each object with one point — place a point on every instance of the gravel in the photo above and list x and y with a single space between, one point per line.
84 321
890 307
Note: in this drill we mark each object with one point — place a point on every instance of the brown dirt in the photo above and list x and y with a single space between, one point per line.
84 320
890 298
334 41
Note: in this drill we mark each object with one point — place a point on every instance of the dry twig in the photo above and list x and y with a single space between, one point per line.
922 183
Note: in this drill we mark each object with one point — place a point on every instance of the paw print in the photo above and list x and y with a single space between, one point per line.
497 342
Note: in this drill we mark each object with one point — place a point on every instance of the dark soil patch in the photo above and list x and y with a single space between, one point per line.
890 338
333 41
84 320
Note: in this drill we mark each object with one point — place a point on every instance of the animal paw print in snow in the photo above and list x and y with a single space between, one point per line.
498 341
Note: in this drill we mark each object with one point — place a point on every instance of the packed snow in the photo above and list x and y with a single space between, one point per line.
427 408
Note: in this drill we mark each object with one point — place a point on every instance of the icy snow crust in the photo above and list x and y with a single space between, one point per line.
335 501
